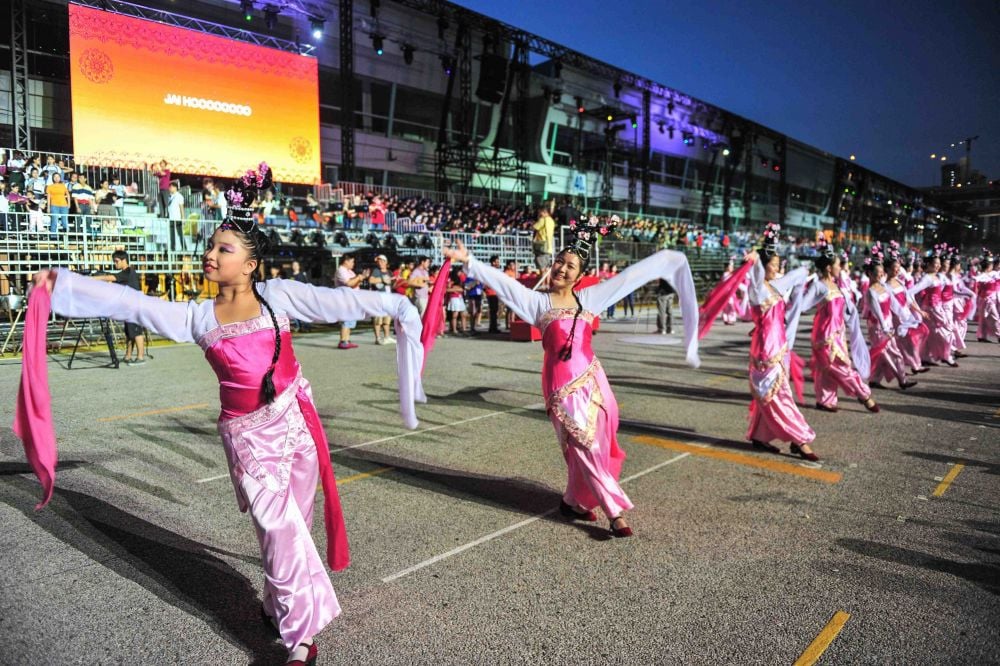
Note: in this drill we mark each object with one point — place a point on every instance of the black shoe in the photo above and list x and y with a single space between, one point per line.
875 385
906 385
920 370
620 532
959 354
951 364
765 446
824 408
797 451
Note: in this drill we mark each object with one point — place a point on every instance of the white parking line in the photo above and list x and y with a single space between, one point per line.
511 528
410 433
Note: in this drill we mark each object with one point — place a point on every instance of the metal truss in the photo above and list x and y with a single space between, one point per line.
181 21
19 73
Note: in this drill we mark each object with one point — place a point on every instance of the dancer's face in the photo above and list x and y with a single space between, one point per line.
835 269
893 269
772 267
227 258
566 270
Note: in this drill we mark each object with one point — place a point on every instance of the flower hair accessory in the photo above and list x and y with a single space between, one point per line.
769 237
876 255
586 233
241 197
825 249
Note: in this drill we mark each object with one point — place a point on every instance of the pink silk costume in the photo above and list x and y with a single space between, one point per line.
911 343
578 398
988 315
831 361
731 310
939 342
887 359
948 303
963 308
773 412
273 450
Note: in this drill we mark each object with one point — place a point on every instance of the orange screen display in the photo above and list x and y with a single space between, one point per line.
143 92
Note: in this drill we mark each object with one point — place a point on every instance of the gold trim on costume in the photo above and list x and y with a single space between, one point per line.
583 437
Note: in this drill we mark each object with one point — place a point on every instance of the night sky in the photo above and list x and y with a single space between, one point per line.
889 81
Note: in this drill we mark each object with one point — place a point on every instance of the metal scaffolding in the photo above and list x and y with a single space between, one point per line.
19 73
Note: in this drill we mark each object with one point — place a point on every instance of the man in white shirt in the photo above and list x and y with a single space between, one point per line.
346 277
175 215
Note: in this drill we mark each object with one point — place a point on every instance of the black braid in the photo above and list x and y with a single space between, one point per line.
267 386
566 353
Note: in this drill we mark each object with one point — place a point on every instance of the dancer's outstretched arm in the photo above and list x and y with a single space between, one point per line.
75 295
529 305
668 265
308 302
925 281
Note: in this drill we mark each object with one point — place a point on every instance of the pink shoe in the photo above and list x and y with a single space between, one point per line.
346 345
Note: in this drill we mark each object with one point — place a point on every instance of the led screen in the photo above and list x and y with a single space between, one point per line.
143 91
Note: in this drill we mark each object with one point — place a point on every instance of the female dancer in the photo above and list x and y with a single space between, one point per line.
271 432
938 347
831 361
886 359
773 414
964 305
909 317
578 398
988 291
731 310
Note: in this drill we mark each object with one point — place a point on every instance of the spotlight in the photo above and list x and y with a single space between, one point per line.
610 117
442 26
410 241
635 122
688 139
764 162
246 6
316 28
377 41
407 54
777 167
426 243
341 239
579 105
318 238
618 88
372 239
661 126
389 242
447 64
270 17
297 237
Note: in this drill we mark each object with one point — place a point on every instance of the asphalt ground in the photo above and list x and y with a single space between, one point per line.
459 556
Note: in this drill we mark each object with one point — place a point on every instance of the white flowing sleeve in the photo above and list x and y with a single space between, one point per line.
321 304
790 280
78 296
856 340
529 305
802 300
669 265
961 289
925 281
758 292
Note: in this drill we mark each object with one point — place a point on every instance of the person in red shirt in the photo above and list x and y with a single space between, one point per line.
699 241
376 213
163 172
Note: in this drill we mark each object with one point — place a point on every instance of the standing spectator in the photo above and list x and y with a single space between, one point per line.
119 190
135 341
15 169
664 304
300 276
381 281
724 242
35 184
105 200
83 197
4 207
175 216
376 213
268 207
474 297
456 300
492 301
510 269
163 172
699 241
50 169
58 195
420 281
346 277
36 211
543 242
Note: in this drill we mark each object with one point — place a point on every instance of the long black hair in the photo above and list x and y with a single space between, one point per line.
566 352
259 245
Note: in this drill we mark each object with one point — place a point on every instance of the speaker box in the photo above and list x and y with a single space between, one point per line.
492 78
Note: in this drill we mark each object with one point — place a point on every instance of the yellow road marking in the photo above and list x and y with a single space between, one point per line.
719 379
822 642
168 410
742 459
946 481
363 475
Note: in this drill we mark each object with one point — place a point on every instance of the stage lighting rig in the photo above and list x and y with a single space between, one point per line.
319 238
316 28
377 43
579 105
246 6
389 242
688 139
271 17
426 243
408 54
410 242
618 89
372 240
447 64
341 239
